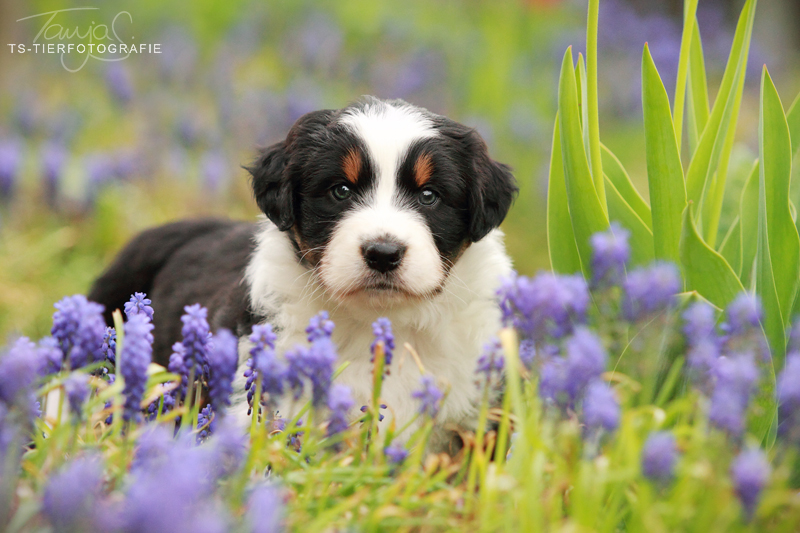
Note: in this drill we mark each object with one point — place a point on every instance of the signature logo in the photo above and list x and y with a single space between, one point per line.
95 41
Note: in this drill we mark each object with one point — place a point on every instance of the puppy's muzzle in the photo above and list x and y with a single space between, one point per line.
383 255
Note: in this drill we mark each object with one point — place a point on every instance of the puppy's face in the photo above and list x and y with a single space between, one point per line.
381 198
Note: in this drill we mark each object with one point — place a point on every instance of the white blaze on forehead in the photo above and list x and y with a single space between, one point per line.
387 131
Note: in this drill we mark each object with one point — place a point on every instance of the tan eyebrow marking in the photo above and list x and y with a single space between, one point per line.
352 166
423 168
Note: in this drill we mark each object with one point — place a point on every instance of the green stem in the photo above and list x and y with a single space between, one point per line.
689 11
595 157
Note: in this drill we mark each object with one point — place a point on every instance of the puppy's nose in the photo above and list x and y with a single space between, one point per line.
383 255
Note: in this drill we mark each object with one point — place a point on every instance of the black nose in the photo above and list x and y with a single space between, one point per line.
382 255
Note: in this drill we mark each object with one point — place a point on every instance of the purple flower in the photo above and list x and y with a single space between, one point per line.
10 159
110 418
396 453
610 254
165 405
553 380
726 411
78 326
206 422
76 386
429 395
222 359
382 331
659 456
195 338
214 169
491 362
19 368
742 314
265 510
53 156
70 497
139 304
527 352
699 322
315 363
177 366
547 305
320 326
750 472
793 343
136 356
340 401
586 360
734 379
109 347
600 407
264 363
228 449
118 82
650 290
788 391
50 356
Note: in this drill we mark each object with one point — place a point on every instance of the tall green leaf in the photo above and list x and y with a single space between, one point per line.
593 126
731 247
778 250
704 270
560 237
793 119
689 28
622 182
641 239
697 103
710 148
586 213
748 225
664 171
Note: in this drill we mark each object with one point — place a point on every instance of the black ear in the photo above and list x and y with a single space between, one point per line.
272 186
492 192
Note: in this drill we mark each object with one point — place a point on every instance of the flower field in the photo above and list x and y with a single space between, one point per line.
648 381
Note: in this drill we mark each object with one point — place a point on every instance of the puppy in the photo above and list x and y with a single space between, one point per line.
378 209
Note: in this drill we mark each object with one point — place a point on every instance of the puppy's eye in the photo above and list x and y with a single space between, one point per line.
428 197
341 192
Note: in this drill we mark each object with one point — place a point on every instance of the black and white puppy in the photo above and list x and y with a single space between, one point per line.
378 209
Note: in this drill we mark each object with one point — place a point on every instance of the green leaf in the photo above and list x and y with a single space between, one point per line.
641 240
664 171
689 28
748 225
596 167
731 247
622 182
560 237
713 150
697 108
580 75
586 213
793 119
778 249
704 270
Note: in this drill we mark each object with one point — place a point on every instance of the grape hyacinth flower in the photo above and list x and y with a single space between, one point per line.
118 82
600 407
320 326
176 366
265 510
76 387
545 306
19 367
315 363
110 418
788 391
228 448
649 290
743 314
53 156
382 331
750 471
586 360
490 363
610 254
340 401
364 409
139 304
10 159
429 395
71 496
659 456
735 378
195 338
553 381
50 356
79 328
109 347
222 359
205 423
396 453
136 356
264 363
703 343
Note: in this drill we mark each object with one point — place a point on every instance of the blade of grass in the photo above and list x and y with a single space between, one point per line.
596 160
748 217
793 120
641 239
689 13
560 237
622 182
664 171
731 247
586 212
706 271
697 103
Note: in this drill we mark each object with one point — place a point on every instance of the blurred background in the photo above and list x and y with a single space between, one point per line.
93 151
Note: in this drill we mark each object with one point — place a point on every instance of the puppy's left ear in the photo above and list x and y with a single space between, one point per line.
272 187
492 193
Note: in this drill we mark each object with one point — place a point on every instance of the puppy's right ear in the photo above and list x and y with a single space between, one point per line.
272 186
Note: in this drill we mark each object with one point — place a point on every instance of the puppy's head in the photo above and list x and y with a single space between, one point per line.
381 198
